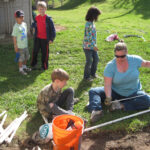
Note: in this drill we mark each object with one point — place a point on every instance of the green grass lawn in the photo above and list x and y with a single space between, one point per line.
19 93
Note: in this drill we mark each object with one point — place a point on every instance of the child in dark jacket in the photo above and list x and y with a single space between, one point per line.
44 34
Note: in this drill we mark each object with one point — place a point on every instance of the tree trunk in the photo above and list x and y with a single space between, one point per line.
53 3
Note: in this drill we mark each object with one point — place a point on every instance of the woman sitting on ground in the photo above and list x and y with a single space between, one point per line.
121 80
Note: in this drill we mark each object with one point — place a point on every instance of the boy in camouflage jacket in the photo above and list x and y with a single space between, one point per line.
51 100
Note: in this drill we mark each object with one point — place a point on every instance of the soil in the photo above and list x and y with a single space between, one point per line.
59 28
118 140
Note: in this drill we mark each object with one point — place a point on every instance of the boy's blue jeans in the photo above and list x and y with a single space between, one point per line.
92 60
97 96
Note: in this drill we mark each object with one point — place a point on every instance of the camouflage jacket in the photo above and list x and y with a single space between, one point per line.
46 96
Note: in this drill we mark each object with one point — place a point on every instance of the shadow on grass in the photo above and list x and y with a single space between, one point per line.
71 4
10 78
34 123
82 86
140 7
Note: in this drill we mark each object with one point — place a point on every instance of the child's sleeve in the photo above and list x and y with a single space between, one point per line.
14 32
52 30
34 24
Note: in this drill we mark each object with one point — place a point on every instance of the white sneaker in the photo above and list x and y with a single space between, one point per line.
27 69
23 72
96 115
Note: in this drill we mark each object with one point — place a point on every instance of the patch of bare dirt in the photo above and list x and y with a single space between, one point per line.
59 28
118 140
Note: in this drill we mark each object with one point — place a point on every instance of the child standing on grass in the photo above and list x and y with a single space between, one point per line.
21 42
52 101
43 36
89 44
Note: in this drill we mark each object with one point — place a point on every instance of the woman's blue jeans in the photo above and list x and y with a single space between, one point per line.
92 60
97 96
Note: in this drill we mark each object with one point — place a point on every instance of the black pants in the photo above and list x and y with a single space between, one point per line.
43 45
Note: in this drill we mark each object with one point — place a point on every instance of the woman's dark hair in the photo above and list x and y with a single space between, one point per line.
92 14
120 46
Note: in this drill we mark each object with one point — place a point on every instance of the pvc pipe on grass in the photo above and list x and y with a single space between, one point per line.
116 120
2 123
125 99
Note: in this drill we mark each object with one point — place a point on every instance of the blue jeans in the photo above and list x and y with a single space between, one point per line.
97 96
92 60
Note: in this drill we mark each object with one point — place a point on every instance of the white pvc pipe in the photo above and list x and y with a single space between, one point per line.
9 139
129 98
1 125
116 120
10 130
3 113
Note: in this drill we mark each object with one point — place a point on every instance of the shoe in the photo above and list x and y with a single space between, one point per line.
116 106
86 106
96 115
76 100
95 76
42 69
27 69
36 148
88 79
23 72
34 67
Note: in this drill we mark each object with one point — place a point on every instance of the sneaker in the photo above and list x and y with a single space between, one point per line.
95 76
42 69
86 106
76 100
34 67
96 115
116 106
88 79
27 69
36 148
23 72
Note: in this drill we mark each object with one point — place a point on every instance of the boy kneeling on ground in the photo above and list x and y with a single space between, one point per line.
52 101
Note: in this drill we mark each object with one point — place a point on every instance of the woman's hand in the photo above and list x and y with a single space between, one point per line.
108 101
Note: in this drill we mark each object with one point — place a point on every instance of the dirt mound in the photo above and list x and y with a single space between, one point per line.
118 140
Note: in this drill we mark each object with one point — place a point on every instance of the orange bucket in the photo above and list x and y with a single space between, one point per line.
63 138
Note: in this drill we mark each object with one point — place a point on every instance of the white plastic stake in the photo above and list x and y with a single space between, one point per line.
9 139
1 125
12 128
3 113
